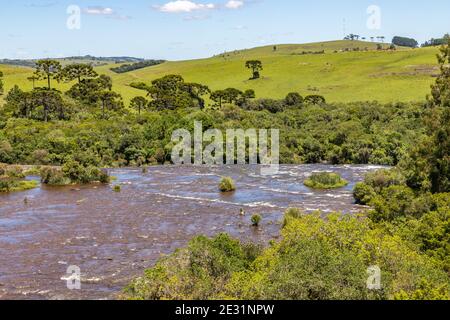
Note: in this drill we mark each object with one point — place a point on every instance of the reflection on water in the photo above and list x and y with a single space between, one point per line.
112 236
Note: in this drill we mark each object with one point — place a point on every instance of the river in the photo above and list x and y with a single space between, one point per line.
112 237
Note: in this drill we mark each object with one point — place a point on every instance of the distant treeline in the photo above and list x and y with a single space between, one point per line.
105 59
135 66
17 62
436 42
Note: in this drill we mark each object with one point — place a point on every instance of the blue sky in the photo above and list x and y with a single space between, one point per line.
185 29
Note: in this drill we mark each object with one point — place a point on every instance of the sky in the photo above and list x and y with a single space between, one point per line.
189 29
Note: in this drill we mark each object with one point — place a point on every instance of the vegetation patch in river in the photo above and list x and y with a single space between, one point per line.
12 179
325 180
227 185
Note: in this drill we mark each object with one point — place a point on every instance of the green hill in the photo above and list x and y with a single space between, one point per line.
341 74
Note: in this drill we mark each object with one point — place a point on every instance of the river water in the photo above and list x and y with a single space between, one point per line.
112 237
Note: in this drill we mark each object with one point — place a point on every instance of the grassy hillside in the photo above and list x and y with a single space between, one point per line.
402 75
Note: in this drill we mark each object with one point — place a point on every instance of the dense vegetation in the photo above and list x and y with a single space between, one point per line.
317 259
325 180
405 42
406 235
136 66
12 178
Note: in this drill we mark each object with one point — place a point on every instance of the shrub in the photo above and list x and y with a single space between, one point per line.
227 185
117 188
317 259
314 99
325 180
363 193
291 213
53 176
12 185
293 99
256 219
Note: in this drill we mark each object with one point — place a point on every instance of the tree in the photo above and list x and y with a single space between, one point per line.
48 69
138 103
256 66
428 167
218 97
293 99
77 71
108 100
171 92
33 79
232 95
405 42
49 100
87 91
440 91
1 83
196 91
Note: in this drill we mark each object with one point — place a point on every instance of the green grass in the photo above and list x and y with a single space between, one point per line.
386 76
325 180
16 186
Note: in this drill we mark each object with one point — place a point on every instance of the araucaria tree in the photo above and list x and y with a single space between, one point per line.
77 71
256 66
47 70
138 103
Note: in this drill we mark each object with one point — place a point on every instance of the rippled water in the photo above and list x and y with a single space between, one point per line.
113 237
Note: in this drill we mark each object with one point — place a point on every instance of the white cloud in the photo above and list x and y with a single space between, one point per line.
234 4
184 6
101 11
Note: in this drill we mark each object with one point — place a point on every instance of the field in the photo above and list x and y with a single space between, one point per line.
340 76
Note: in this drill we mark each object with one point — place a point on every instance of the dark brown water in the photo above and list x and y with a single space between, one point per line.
113 237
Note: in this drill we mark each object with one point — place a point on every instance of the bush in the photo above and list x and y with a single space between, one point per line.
314 99
256 219
317 259
293 99
291 213
117 188
54 177
12 185
363 193
325 180
227 185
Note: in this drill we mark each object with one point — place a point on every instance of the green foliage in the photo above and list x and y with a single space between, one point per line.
316 259
405 42
325 180
198 272
227 185
293 99
11 179
77 71
47 70
72 172
256 66
117 188
291 214
256 220
136 66
315 99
